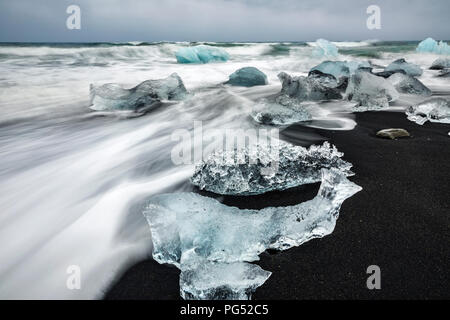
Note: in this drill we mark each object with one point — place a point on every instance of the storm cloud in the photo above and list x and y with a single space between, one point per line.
222 20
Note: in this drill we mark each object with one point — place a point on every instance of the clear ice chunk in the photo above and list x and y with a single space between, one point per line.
401 65
245 171
440 64
247 77
408 84
433 110
307 88
201 54
341 69
324 49
282 111
432 46
148 93
210 242
369 91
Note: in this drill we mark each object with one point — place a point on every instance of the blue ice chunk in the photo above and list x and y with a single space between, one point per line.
212 243
431 45
325 49
201 54
341 69
401 65
247 77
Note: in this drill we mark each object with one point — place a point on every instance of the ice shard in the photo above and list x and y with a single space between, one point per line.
307 88
282 111
145 95
247 77
369 91
432 46
401 65
433 110
324 49
256 170
201 54
341 69
211 243
408 84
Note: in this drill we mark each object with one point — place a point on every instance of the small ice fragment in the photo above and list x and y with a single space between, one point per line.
201 54
240 172
440 64
247 77
433 110
282 111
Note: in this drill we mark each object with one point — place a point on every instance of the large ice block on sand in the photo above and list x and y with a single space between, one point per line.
113 97
370 92
307 88
433 110
247 77
211 242
201 54
325 49
245 171
432 46
401 65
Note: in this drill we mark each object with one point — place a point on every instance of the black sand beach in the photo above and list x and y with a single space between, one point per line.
400 222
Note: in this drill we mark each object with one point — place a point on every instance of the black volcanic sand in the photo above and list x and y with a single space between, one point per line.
400 222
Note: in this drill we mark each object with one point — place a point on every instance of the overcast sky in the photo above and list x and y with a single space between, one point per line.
222 20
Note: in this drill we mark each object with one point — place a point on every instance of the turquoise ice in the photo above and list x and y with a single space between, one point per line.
325 49
201 54
431 45
248 77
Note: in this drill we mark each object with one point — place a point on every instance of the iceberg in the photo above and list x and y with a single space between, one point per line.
341 69
212 243
408 84
440 64
324 49
149 93
432 46
433 110
201 54
245 171
401 65
247 77
370 91
307 88
283 111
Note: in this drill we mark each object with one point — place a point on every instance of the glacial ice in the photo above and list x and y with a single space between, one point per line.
307 88
440 64
408 84
148 93
201 54
432 46
211 243
275 166
282 111
324 49
370 91
247 77
341 69
433 110
409 68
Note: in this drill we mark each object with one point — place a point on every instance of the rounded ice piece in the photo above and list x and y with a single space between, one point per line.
248 77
